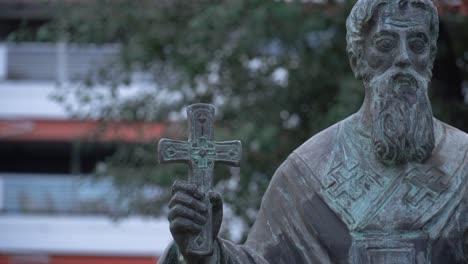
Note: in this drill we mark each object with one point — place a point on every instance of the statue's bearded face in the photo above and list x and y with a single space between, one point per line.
397 52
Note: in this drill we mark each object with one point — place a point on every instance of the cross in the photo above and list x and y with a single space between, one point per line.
350 180
200 152
432 184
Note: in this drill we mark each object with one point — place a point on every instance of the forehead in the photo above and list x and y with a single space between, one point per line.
402 15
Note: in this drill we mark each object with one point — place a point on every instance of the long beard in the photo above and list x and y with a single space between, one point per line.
402 127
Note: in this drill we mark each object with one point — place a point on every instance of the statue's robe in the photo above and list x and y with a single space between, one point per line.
332 202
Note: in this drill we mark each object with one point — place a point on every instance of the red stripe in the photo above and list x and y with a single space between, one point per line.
73 259
72 130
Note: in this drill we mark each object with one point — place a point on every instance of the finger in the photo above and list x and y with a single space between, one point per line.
185 212
180 225
190 202
188 188
215 199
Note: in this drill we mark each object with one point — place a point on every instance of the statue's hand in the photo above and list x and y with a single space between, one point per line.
187 214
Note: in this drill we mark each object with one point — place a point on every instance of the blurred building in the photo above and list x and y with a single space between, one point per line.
51 211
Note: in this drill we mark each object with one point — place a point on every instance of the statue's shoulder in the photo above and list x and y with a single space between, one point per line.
454 142
320 143
316 151
455 133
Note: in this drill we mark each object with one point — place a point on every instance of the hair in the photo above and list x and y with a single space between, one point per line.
357 25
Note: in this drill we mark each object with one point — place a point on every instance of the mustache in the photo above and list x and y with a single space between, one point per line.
402 81
404 78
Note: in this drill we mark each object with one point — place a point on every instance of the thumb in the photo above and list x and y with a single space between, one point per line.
217 204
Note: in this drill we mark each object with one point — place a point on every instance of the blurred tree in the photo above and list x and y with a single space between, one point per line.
276 70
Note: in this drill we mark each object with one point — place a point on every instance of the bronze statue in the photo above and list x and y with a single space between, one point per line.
386 185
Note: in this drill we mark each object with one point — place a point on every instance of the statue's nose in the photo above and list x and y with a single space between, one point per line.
402 60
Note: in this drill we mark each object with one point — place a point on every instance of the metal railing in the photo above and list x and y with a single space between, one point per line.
59 61
56 194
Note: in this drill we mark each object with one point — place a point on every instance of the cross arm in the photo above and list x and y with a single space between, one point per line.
173 151
229 152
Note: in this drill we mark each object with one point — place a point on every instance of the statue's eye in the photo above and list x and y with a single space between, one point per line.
417 46
385 44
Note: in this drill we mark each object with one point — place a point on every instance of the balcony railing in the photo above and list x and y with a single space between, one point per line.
56 194
59 62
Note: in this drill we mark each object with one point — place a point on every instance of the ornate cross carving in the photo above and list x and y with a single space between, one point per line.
200 152
350 180
432 184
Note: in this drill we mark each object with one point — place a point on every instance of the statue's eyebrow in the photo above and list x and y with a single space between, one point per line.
419 4
418 34
385 33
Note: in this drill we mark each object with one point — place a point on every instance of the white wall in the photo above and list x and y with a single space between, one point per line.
97 235
3 61
29 99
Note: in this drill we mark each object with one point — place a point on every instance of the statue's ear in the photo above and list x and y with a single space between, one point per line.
353 61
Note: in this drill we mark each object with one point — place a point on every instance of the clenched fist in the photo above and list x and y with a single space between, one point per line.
188 212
